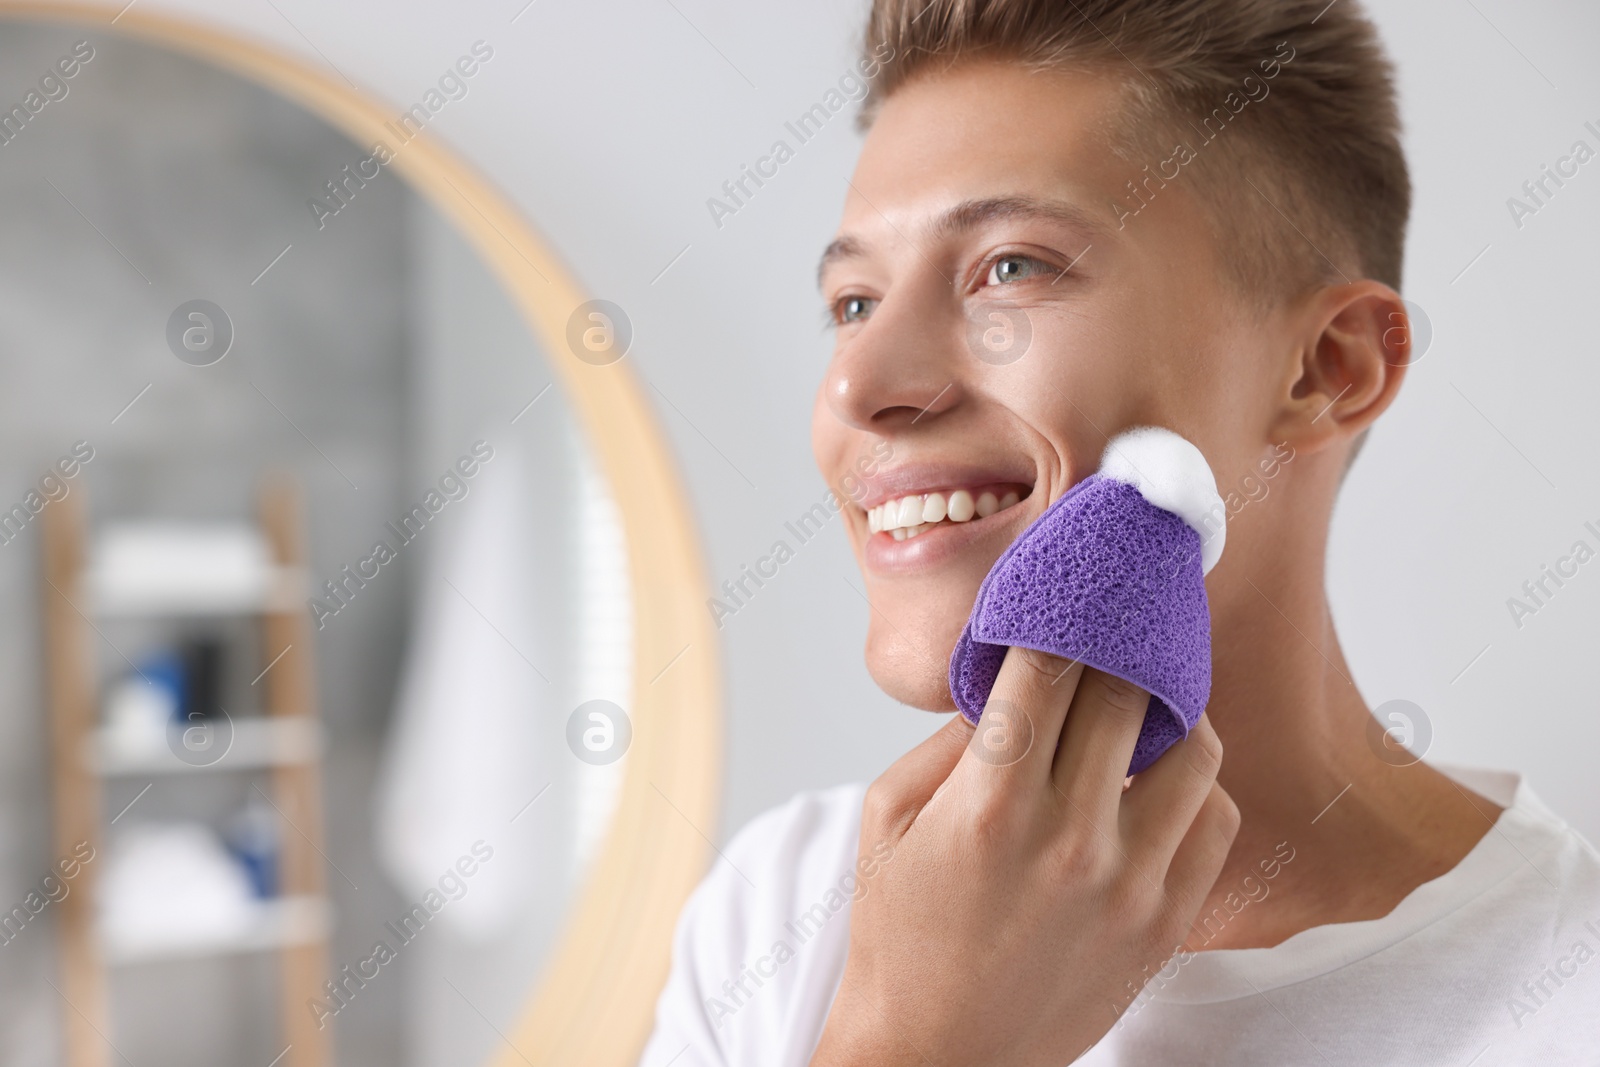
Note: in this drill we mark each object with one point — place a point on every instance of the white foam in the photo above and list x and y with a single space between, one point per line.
1173 475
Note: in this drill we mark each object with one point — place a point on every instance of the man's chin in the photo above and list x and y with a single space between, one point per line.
911 674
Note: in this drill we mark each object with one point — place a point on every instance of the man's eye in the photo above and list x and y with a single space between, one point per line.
1016 268
853 309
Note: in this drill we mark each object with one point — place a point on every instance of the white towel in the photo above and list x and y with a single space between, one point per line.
170 887
476 733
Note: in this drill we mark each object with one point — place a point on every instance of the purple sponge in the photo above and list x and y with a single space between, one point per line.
1112 574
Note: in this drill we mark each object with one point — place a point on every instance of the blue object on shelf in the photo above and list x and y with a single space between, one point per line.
165 671
252 836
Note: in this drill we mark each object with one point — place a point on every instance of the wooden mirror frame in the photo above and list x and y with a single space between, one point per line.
594 1002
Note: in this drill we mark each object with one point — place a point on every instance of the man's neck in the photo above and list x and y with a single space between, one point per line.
1339 823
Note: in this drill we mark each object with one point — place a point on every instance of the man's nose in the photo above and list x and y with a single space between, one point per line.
905 366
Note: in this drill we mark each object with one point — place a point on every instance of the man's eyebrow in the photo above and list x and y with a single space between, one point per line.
970 214
845 247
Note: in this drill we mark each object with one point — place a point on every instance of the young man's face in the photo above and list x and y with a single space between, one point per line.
996 326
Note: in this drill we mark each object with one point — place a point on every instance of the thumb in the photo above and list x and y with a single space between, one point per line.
896 797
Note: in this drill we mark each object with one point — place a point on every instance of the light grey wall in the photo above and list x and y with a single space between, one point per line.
1485 469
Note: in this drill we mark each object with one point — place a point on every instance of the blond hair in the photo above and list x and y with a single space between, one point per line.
1300 172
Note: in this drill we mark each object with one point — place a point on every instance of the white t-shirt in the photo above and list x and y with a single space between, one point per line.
1496 962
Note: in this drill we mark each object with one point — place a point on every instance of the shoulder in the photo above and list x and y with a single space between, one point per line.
777 866
761 942
1561 860
1548 867
1551 850
808 827
1537 930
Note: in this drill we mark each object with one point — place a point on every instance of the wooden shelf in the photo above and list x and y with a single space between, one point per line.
258 742
280 922
276 589
153 569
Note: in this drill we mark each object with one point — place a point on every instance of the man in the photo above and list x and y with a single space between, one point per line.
1072 217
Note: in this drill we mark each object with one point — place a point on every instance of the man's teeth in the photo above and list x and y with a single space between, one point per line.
910 515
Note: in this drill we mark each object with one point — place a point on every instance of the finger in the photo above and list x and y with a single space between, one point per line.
1097 743
1021 722
1163 800
1203 850
899 793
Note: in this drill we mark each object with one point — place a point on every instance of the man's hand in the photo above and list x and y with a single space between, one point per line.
1031 895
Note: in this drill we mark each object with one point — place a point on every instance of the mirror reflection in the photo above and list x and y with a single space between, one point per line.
320 628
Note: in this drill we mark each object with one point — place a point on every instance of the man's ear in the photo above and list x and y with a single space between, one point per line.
1357 343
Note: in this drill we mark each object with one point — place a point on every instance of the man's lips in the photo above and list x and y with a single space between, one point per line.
921 479
915 550
917 515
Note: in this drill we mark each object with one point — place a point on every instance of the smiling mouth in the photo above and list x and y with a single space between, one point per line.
910 516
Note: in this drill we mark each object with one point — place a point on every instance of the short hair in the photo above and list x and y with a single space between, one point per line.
1299 172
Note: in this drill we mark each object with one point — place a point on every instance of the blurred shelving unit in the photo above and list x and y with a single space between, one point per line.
173 571
280 741
282 922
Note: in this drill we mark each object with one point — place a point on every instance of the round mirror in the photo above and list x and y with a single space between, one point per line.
371 707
